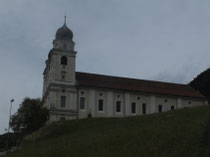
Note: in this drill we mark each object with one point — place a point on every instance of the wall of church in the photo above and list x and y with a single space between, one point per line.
46 78
58 73
70 98
58 109
138 99
192 102
59 90
131 103
166 103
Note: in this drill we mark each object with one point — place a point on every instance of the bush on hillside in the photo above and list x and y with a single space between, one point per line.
29 117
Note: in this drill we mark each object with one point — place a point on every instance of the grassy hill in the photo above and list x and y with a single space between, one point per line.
184 132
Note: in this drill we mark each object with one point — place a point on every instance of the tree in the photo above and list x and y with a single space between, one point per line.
30 116
202 83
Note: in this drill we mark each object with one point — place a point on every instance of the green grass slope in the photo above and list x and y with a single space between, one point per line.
176 133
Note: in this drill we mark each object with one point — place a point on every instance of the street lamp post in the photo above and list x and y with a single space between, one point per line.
10 111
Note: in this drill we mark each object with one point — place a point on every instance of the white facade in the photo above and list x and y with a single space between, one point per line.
66 99
154 103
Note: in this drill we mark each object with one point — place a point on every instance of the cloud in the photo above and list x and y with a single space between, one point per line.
184 75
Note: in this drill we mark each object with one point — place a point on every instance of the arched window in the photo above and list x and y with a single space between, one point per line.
64 60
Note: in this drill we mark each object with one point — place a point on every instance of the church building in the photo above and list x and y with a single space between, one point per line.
69 94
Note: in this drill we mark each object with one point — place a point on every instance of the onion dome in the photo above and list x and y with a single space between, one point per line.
64 33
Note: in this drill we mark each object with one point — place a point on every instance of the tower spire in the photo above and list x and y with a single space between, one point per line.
65 18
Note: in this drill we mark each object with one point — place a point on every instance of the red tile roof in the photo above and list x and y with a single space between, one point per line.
136 85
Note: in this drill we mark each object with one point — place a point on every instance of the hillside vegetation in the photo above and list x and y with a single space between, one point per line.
202 83
177 133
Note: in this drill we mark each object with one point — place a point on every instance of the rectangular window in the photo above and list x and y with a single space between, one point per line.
172 107
63 101
100 105
133 107
160 108
63 75
144 108
118 106
82 103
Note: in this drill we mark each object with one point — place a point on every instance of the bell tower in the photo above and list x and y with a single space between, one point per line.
59 89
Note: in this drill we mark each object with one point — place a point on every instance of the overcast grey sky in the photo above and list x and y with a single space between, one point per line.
167 40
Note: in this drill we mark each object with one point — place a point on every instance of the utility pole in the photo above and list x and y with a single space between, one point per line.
10 111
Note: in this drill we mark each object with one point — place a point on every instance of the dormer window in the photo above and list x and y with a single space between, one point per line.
63 60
